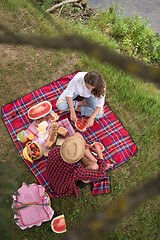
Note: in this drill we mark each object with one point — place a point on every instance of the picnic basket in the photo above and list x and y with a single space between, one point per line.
35 203
27 152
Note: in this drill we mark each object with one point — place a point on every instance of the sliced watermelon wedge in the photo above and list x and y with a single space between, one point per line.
80 124
100 144
58 224
91 145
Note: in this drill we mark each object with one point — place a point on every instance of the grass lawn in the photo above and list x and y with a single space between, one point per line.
137 104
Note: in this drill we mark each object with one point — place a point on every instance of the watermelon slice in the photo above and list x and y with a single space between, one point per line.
80 124
91 145
58 224
100 144
40 110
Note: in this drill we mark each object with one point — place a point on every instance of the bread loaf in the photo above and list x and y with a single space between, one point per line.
52 135
59 141
62 131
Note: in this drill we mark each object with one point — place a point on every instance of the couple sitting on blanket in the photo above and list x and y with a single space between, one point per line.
65 176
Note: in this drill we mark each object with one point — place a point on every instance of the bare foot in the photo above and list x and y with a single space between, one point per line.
83 102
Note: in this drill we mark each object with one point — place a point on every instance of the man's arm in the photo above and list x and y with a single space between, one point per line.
93 175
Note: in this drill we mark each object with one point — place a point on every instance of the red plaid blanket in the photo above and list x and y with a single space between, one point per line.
119 146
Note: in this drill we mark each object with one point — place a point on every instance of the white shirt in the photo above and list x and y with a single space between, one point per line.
77 86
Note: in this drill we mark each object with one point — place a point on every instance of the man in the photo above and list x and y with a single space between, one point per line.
65 176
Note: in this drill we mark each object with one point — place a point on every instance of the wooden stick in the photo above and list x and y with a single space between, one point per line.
61 4
29 203
60 10
78 5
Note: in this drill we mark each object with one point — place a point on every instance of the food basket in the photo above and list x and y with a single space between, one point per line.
32 153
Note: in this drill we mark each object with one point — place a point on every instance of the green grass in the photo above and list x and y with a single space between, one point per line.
137 104
132 34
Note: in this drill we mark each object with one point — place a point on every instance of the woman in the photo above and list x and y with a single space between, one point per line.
91 87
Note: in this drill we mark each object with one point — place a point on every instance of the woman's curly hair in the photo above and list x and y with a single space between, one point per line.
96 80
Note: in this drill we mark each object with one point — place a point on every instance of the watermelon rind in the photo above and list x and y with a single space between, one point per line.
54 220
41 115
103 148
81 130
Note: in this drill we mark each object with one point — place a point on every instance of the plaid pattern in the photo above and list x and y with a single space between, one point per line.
63 123
102 187
119 146
62 176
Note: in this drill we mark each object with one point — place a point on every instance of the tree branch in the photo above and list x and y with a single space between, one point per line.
75 42
60 5
78 5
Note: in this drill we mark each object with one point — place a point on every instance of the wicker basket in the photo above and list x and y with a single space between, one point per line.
49 200
27 152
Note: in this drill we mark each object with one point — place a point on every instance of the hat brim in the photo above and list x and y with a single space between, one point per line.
72 149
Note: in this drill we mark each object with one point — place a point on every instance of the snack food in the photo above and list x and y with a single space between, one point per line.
62 131
80 124
52 135
46 151
59 141
53 116
42 126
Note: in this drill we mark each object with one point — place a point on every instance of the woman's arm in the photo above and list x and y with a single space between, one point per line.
90 121
73 115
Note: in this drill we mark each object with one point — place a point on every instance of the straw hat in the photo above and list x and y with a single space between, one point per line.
72 149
